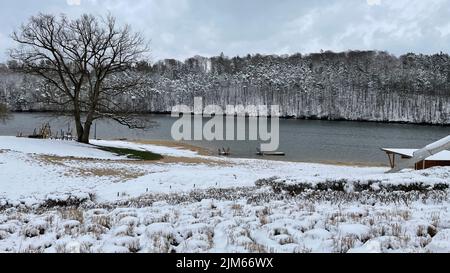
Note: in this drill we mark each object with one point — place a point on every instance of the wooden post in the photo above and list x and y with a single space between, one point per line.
391 160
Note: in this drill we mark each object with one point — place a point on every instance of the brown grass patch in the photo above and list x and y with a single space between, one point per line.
120 173
72 214
56 160
103 171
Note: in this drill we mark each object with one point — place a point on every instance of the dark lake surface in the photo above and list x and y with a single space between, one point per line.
301 140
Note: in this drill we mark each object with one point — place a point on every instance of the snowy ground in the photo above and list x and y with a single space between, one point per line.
59 196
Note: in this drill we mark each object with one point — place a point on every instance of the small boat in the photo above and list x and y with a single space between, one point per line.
261 153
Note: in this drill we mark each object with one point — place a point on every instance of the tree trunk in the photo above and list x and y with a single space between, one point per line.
87 129
90 114
79 128
78 124
86 133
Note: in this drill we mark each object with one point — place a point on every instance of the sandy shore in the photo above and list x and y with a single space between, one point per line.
206 152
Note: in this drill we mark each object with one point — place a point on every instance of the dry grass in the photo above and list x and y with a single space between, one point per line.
119 173
344 244
103 220
72 214
236 206
125 173
122 174
256 248
128 226
61 160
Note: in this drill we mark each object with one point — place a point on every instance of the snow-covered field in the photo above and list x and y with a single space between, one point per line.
59 196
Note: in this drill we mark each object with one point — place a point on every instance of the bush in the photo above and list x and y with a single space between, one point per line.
279 186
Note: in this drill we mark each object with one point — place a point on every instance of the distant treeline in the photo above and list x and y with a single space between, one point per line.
353 85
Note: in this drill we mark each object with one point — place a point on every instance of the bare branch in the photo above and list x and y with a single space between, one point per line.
80 61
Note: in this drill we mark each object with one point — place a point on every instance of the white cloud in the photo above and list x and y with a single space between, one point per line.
373 2
73 2
184 28
167 38
444 30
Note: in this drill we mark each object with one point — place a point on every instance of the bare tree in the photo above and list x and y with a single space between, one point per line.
3 112
86 63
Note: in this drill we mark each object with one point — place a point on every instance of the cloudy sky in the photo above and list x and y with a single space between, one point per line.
183 28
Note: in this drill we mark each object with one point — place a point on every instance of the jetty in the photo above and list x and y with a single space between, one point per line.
433 155
262 153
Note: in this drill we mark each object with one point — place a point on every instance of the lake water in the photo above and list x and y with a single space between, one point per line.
302 140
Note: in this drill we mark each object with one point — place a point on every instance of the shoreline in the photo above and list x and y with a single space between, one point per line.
206 152
281 117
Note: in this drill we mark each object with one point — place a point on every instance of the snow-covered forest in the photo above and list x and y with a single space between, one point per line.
354 85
